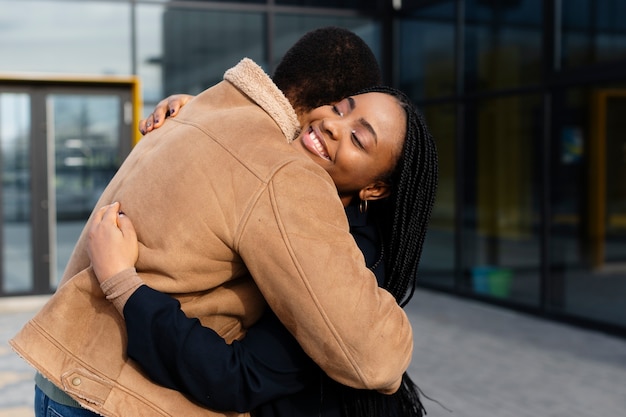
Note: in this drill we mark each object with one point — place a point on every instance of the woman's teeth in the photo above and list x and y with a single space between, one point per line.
318 145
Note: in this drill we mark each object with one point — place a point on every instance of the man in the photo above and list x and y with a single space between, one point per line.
77 341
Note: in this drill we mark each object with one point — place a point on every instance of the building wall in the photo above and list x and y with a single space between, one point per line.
524 98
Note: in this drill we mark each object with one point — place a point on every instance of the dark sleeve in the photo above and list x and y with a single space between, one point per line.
367 237
181 354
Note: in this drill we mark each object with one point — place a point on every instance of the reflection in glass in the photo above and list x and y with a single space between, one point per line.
85 139
593 31
17 272
289 28
426 51
437 262
503 44
363 4
70 37
199 45
502 240
588 222
149 35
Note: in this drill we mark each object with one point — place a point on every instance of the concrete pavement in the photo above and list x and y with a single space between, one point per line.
473 359
483 361
16 377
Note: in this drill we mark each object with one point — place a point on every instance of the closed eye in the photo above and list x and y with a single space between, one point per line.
337 111
356 141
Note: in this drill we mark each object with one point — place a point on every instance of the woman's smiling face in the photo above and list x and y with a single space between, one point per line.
356 141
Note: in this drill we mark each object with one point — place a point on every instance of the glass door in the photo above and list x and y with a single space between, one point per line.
60 146
85 139
607 188
15 192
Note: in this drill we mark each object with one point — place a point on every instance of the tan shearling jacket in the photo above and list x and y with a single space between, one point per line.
218 195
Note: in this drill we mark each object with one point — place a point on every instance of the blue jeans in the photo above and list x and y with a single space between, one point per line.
45 407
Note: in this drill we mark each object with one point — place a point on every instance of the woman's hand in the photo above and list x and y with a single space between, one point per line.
168 107
112 242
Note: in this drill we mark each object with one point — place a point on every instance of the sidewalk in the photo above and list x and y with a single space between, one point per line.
476 360
483 361
16 377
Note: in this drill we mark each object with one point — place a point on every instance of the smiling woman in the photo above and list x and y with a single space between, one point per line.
357 141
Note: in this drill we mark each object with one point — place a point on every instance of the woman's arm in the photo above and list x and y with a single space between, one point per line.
181 354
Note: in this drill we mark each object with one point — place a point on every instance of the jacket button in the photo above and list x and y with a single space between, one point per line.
76 381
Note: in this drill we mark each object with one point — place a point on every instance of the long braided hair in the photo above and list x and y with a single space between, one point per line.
403 219
404 216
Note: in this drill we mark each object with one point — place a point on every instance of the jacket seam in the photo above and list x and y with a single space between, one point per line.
302 277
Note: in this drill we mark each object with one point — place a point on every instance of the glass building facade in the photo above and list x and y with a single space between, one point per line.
523 97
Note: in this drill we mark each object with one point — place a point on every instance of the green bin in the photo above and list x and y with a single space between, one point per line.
491 280
500 282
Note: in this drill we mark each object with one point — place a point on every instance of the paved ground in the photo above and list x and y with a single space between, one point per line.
16 377
476 360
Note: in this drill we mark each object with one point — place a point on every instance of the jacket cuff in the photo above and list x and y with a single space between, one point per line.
120 287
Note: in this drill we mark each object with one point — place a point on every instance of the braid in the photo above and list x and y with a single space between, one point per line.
404 216
403 220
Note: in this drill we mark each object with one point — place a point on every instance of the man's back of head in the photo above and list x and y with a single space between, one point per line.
324 66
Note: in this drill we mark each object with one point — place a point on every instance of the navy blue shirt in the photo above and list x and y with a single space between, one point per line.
267 371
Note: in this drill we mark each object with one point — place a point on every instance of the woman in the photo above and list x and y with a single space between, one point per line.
407 176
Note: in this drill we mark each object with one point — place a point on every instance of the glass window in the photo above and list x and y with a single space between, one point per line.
290 28
522 12
353 4
198 46
438 259
65 36
502 198
221 1
85 136
592 31
15 148
425 52
149 27
503 44
588 220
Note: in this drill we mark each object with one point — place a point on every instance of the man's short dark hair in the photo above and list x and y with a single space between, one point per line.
325 66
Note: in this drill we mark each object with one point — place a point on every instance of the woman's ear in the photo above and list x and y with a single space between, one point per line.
375 191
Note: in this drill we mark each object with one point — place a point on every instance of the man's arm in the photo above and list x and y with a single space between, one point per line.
312 274
179 353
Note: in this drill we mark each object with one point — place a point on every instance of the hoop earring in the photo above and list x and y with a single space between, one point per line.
363 206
